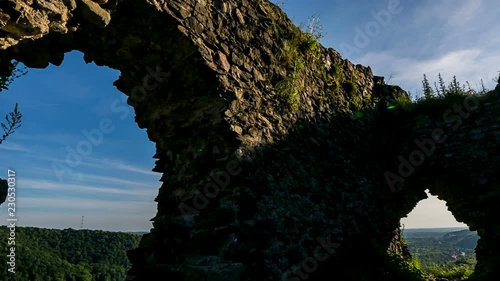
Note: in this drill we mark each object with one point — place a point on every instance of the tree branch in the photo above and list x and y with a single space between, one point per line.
13 123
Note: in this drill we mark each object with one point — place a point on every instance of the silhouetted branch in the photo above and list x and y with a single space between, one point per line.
13 123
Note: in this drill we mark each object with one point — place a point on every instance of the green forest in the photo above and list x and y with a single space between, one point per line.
67 255
444 253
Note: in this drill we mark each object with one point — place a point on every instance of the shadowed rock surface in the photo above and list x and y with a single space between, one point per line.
277 154
3 190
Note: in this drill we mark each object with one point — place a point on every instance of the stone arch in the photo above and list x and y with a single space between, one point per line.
252 190
458 140
176 94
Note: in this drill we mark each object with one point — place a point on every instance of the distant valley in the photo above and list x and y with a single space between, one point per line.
447 248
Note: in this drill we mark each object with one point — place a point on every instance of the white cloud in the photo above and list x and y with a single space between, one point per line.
6 145
89 178
53 138
72 204
447 37
101 164
136 170
468 65
94 170
114 164
40 105
454 14
139 190
463 14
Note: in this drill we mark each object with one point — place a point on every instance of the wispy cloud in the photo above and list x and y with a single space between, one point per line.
465 13
126 167
97 179
52 138
101 164
92 205
139 191
108 186
125 215
40 105
440 37
13 147
468 65
115 165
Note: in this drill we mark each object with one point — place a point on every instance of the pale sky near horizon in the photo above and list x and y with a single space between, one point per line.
430 213
113 187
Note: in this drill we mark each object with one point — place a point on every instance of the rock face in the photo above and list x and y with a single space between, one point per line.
280 160
3 190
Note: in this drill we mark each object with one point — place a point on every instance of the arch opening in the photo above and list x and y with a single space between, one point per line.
175 95
440 246
72 142
81 166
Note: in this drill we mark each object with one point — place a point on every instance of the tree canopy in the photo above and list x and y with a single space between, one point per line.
69 254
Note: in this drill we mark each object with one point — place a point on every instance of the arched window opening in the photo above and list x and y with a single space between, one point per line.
440 245
79 151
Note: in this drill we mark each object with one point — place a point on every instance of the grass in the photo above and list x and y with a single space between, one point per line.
298 49
456 272
449 271
289 89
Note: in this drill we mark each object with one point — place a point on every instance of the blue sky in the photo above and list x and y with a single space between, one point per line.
451 37
112 185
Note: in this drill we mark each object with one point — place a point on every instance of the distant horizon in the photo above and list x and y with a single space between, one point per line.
455 227
145 231
139 232
56 228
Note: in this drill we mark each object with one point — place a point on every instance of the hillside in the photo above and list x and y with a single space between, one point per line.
439 250
464 239
52 254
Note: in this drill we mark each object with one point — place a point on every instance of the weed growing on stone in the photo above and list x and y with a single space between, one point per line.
299 49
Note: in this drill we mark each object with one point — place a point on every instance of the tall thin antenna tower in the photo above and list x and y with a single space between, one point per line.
81 225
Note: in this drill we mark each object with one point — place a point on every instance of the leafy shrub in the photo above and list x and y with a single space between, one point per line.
350 87
449 271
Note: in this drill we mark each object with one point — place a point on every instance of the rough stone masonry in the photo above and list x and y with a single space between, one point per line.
274 151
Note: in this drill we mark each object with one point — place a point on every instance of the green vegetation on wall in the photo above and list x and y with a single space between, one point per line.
299 49
441 96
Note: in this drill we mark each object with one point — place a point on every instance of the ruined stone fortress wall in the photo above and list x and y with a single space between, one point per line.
274 150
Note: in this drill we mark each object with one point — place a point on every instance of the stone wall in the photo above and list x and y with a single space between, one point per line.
459 140
273 149
3 190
